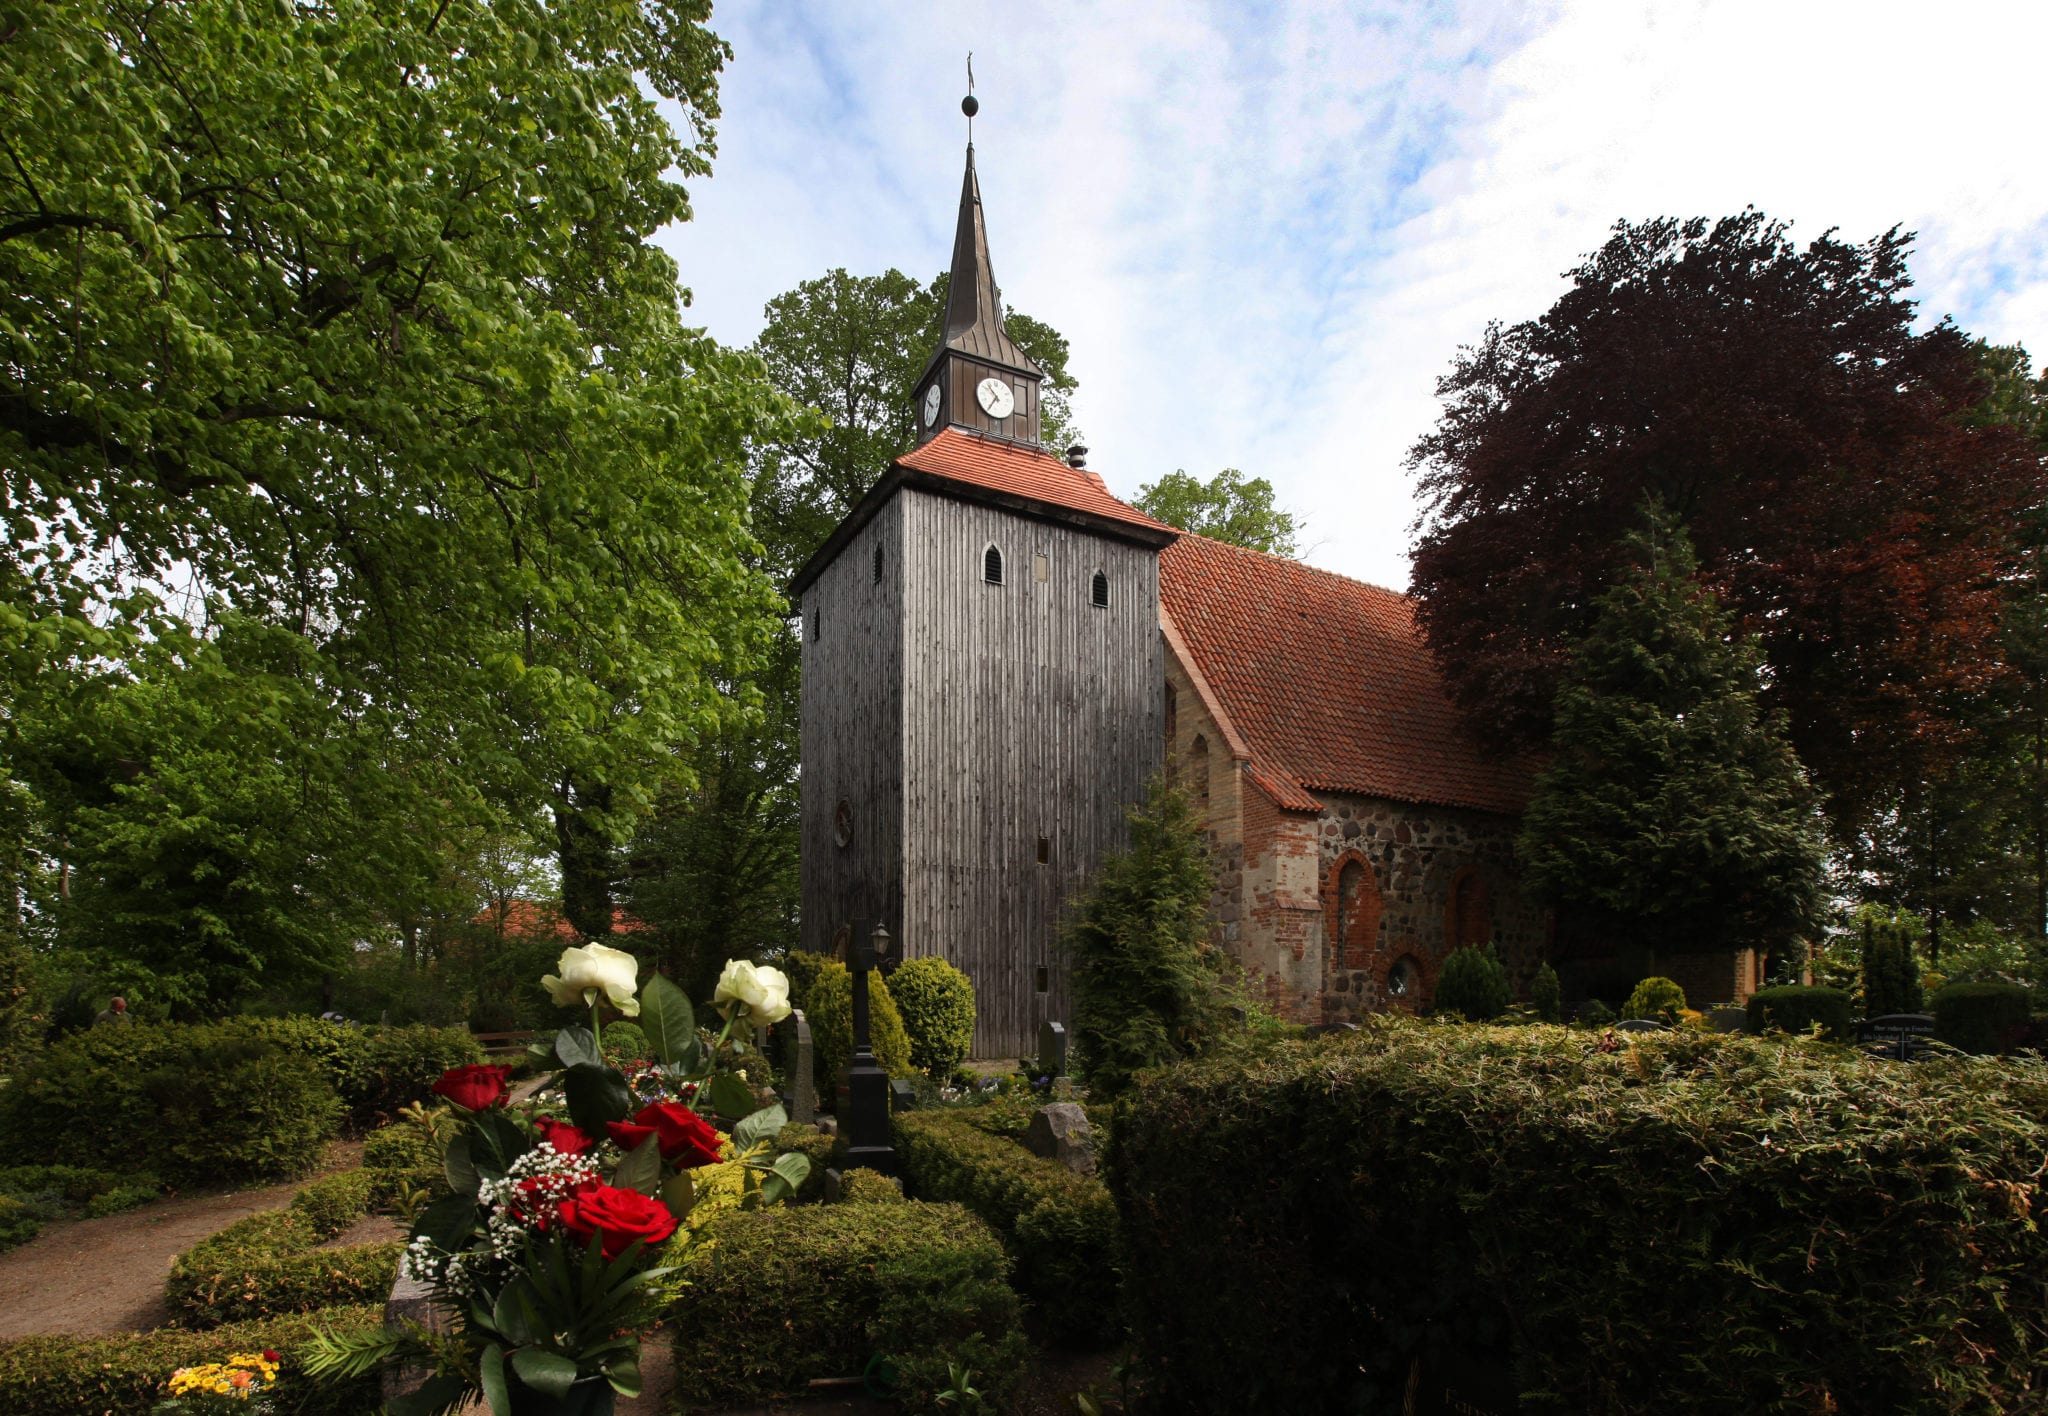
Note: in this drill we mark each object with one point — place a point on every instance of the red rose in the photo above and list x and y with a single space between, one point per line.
687 1140
566 1139
270 1356
619 1218
476 1087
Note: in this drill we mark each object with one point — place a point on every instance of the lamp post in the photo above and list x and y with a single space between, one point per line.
867 1085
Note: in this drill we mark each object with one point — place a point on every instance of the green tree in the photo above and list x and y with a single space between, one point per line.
1228 507
1891 973
1148 985
1672 809
1473 983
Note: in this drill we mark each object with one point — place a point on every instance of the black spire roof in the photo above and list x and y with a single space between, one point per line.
974 306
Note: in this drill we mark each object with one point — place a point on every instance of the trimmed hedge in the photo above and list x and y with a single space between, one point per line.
1060 1227
820 1149
1984 1017
830 1011
211 1104
376 1071
937 1004
1795 1007
124 1375
1690 1223
33 1194
269 1264
403 1159
862 1186
780 1296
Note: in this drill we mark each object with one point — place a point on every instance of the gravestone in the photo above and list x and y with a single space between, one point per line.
1641 1025
1727 1019
902 1095
1061 1132
803 1085
1052 1049
1901 1036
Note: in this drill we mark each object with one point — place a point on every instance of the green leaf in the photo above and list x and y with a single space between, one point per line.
680 1194
596 1095
549 1373
437 1394
794 1168
492 1370
731 1097
448 1222
667 1019
774 1190
575 1044
516 1315
641 1169
763 1125
460 1169
624 1374
496 1140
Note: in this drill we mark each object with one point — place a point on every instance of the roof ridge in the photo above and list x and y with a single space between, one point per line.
1296 562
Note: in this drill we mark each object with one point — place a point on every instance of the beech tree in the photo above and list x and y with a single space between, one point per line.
1228 507
1777 400
1672 810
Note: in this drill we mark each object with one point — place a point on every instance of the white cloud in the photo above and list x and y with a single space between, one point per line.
1266 233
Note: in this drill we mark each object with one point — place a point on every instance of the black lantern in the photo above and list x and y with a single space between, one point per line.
867 1085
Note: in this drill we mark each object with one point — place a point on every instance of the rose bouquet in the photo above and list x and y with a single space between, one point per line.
546 1254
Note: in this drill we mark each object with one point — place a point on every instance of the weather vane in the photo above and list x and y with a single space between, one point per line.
970 105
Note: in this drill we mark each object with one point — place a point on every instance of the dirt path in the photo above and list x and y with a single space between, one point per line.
91 1276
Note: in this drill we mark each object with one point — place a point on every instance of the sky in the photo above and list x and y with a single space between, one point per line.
1266 229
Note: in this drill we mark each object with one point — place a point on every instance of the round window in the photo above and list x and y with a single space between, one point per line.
842 825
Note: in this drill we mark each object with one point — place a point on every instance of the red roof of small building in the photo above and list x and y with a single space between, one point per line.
1021 471
1327 682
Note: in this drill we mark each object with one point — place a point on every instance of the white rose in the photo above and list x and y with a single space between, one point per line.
762 991
593 969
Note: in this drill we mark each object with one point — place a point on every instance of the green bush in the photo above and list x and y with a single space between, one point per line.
1891 972
268 1264
625 1042
1546 995
820 1149
19 1222
406 1157
1060 1227
937 1004
1795 1007
831 1019
802 967
1473 983
1595 1014
195 1104
124 1375
1984 1017
33 1194
1862 1235
862 1186
1657 998
119 1199
375 1071
781 1296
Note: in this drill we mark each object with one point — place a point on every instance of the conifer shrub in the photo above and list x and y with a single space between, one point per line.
1148 986
1984 1017
624 1043
1865 1237
802 967
862 1186
407 1158
1657 998
1795 1007
1473 983
1891 973
1546 995
937 1003
831 1019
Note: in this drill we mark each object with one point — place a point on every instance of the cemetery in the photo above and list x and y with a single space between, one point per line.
555 866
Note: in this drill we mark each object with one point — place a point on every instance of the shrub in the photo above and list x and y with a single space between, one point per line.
831 1019
862 1186
1473 982
937 1004
1656 998
1546 994
406 1158
1860 1234
821 1150
1891 974
1060 1227
1984 1017
782 1296
268 1264
1148 986
625 1042
119 1199
1796 1007
374 1070
19 1222
802 967
195 1104
1595 1014
124 1375
33 1194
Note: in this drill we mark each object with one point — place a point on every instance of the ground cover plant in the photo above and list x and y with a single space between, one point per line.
1864 1234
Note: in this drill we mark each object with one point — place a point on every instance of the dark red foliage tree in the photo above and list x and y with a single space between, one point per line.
1815 448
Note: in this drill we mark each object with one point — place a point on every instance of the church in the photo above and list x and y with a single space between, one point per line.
998 654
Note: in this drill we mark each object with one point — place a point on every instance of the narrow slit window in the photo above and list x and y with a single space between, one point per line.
878 565
814 624
1098 591
1044 850
992 566
1043 982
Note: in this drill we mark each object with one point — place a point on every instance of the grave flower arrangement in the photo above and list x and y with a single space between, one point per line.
239 1384
547 1255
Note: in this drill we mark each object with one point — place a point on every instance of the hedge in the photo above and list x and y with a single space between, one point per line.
269 1264
821 1150
1689 1223
862 1186
781 1296
1984 1017
403 1160
211 1104
936 1001
1060 1227
1794 1008
375 1071
830 1012
124 1375
33 1194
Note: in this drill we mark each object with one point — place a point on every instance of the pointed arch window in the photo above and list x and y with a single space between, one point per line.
1098 591
1468 921
992 564
1352 900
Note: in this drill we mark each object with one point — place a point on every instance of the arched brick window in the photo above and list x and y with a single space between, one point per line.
1352 911
1466 917
1198 772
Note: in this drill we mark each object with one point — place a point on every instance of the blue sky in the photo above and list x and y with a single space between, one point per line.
1267 228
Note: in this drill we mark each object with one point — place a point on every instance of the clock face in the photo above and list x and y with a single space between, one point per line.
995 398
931 405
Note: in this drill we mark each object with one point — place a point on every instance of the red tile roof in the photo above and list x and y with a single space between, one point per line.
1327 681
1020 471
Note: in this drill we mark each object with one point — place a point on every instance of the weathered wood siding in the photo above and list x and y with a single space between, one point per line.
853 736
1030 713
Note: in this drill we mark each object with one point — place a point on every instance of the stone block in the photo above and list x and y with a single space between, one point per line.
1061 1132
803 1083
1052 1049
